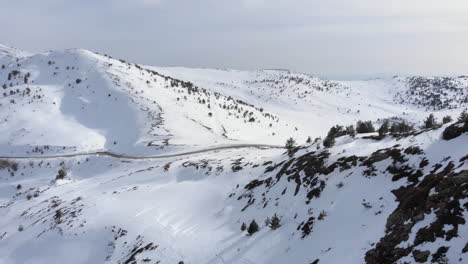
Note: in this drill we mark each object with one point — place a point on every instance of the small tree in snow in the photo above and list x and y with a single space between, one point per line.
61 174
290 145
243 227
351 131
463 116
275 222
430 122
447 119
253 227
384 128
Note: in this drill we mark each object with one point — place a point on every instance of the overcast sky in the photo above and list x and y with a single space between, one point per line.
331 38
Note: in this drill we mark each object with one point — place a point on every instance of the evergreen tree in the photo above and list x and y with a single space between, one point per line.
337 131
384 128
275 222
329 141
430 122
364 127
253 227
309 140
447 119
267 221
61 174
463 118
351 131
290 145
401 127
243 227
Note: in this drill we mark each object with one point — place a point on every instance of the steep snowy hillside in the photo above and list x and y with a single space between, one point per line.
397 199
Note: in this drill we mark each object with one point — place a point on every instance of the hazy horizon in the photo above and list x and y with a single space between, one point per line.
333 39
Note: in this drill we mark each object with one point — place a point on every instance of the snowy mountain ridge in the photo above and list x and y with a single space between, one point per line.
106 161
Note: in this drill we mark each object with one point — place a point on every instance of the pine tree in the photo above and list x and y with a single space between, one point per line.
430 122
335 131
243 227
275 222
253 227
290 145
329 141
351 131
309 140
463 118
384 128
364 127
61 174
401 127
267 221
447 119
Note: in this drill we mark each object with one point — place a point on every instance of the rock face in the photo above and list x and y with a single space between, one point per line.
421 256
454 131
440 194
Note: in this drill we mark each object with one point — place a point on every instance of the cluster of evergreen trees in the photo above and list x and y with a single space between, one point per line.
338 131
394 128
386 127
273 223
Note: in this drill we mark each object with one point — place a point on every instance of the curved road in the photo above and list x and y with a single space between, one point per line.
128 157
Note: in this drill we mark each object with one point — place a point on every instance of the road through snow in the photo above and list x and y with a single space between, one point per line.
128 157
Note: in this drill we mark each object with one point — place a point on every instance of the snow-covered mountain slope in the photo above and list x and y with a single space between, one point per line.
10 55
105 161
109 104
392 200
313 105
113 105
434 93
